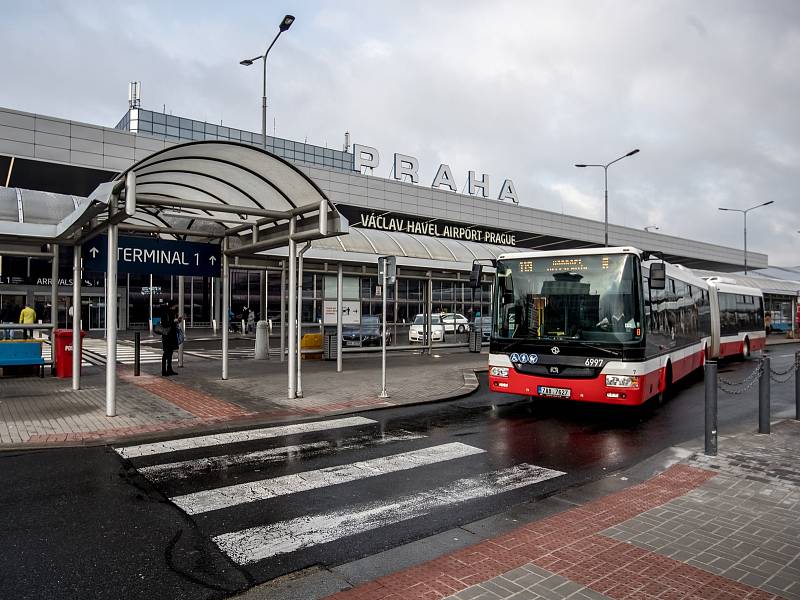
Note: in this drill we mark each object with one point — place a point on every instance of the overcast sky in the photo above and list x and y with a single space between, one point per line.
708 90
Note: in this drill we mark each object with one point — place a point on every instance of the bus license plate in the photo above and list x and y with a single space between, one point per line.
551 391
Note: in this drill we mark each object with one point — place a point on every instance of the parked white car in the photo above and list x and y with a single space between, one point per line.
455 322
417 333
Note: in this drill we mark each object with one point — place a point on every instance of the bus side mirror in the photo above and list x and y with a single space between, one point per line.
475 276
658 276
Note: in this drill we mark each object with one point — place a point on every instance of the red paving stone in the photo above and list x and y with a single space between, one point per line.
568 544
197 403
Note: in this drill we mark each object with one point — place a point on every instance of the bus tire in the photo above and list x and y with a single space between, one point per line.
666 392
746 349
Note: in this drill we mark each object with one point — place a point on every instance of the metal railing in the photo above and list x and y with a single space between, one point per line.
763 374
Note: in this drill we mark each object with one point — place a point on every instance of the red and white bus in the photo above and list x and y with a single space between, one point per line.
596 326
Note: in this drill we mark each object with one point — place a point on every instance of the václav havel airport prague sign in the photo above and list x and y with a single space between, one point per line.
156 256
408 166
388 221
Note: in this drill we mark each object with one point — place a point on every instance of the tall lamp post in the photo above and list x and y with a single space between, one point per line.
605 170
744 212
285 24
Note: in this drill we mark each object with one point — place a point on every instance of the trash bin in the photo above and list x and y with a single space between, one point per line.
63 351
329 346
474 340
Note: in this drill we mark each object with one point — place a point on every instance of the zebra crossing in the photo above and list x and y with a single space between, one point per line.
233 353
265 495
47 355
95 352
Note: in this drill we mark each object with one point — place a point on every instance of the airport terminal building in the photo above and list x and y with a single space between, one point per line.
435 232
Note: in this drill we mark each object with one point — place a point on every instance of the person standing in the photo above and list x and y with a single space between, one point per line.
7 316
27 317
169 337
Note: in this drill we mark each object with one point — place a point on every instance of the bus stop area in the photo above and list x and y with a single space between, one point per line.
48 411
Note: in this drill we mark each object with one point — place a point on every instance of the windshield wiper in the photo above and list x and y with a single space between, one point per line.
608 350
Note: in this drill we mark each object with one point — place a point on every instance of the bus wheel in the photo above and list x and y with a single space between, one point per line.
665 394
746 349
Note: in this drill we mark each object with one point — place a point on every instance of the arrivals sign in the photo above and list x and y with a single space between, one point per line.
154 256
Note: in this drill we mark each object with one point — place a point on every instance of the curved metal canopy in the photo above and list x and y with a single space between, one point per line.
365 245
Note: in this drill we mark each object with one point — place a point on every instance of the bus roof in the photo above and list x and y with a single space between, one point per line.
570 252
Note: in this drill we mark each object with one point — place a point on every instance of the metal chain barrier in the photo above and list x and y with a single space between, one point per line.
745 384
789 373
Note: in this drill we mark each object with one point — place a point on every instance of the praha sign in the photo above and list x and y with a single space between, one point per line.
408 166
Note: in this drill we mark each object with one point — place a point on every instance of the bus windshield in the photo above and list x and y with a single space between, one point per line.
592 297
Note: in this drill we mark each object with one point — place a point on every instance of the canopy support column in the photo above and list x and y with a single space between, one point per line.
283 311
181 316
300 318
76 318
111 324
339 310
54 291
292 265
226 284
429 316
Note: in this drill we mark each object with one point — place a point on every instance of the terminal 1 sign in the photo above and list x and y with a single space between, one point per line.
408 166
154 256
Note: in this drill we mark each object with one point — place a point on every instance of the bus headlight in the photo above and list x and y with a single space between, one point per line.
623 381
499 371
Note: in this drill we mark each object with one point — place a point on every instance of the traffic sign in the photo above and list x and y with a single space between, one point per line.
391 268
154 256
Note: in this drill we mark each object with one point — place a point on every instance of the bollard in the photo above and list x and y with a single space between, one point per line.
137 340
763 397
262 340
797 386
711 407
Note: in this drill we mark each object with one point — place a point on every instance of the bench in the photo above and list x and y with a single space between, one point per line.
17 353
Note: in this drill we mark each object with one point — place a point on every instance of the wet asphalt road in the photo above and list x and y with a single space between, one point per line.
86 523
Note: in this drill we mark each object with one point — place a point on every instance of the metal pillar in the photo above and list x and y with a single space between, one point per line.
150 294
54 304
429 311
262 301
711 408
292 264
283 311
54 290
763 396
302 251
384 293
181 316
339 309
111 324
76 318
226 282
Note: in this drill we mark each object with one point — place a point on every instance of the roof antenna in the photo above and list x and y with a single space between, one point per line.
135 94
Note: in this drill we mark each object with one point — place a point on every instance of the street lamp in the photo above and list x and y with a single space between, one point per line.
605 169
285 24
744 211
649 227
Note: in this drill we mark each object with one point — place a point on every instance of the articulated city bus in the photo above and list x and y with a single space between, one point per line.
594 326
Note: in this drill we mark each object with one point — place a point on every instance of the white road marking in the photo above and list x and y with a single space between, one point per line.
217 439
188 468
242 493
257 543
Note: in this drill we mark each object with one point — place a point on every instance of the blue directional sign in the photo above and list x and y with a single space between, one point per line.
156 256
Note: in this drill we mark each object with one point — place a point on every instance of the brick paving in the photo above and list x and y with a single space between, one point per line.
725 527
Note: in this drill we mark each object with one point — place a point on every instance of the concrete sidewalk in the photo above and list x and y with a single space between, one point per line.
36 412
725 527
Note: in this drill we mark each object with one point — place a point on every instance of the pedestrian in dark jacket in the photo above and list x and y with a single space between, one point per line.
169 337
